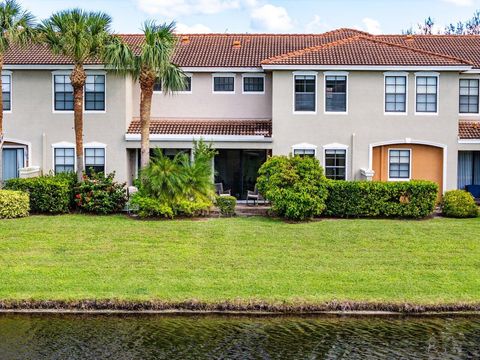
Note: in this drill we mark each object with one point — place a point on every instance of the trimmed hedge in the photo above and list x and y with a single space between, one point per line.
459 204
412 199
48 194
13 204
226 204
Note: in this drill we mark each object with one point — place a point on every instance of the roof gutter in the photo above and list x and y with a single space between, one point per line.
368 67
218 138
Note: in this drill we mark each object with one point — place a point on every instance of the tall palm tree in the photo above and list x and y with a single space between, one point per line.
152 60
80 36
16 28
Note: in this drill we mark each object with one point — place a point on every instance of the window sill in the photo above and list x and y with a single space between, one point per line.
304 113
397 180
253 92
386 113
426 114
468 114
223 92
335 112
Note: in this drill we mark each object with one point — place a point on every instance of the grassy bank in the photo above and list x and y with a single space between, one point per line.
240 260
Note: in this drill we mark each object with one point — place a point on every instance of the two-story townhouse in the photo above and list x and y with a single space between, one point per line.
388 107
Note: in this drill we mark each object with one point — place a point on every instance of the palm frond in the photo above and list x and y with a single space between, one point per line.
17 26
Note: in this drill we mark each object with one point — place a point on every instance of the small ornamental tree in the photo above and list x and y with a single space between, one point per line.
296 186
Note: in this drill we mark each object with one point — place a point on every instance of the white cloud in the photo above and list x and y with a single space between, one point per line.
173 8
316 25
372 26
192 29
270 18
459 2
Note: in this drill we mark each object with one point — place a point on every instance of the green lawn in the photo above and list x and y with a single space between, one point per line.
76 257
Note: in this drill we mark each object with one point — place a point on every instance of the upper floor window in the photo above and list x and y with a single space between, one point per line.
224 83
468 96
63 96
304 152
253 84
94 160
395 94
427 94
157 87
335 93
7 92
64 159
399 164
95 93
188 84
335 164
305 95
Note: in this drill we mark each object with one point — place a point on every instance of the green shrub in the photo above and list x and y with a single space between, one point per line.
194 207
48 194
296 186
226 204
147 207
100 194
459 204
405 199
13 204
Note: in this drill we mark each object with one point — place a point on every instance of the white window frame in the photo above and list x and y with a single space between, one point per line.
253 75
347 86
88 72
396 73
304 146
219 75
409 164
9 73
96 145
64 145
466 114
304 73
337 146
427 74
189 75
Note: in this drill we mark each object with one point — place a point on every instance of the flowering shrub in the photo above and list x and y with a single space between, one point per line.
100 194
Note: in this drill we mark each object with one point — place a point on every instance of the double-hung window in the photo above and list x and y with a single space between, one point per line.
399 164
335 93
335 164
95 160
253 84
305 93
63 97
427 94
187 85
224 83
64 160
304 152
7 92
468 96
395 94
95 93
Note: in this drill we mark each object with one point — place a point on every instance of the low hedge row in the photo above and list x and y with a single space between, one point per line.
13 204
409 199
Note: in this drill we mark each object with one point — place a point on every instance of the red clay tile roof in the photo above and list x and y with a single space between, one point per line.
363 50
260 127
469 129
466 47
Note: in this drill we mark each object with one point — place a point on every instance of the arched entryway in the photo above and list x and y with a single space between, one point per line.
413 160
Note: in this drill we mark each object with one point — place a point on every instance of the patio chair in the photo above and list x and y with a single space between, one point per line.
255 196
219 190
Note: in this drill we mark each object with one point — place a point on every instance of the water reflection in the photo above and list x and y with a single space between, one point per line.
237 337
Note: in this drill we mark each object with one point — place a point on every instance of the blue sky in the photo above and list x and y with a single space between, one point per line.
285 16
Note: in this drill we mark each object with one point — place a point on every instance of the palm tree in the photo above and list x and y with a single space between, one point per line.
151 61
16 28
80 36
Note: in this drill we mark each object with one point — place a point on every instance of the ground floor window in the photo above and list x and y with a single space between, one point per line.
304 152
468 168
399 164
94 160
64 160
335 164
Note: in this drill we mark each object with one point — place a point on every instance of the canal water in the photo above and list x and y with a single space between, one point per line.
49 336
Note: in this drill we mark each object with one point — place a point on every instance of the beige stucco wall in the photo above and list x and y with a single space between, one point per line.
203 103
365 123
33 121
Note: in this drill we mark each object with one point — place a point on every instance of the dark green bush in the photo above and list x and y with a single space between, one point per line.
13 204
407 199
48 194
296 186
459 204
226 204
100 194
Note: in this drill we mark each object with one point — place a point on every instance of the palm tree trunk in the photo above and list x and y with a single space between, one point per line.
77 78
147 81
1 123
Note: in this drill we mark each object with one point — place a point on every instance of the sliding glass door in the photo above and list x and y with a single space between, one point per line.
13 160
